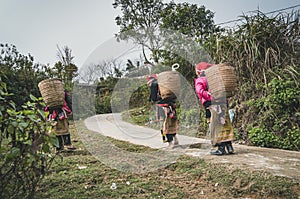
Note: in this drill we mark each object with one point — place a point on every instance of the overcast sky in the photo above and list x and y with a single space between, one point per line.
38 26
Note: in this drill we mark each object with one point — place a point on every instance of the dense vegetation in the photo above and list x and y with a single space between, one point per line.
26 147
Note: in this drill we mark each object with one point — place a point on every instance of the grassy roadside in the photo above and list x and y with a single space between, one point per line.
78 174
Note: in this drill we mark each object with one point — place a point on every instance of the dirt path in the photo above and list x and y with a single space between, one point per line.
275 161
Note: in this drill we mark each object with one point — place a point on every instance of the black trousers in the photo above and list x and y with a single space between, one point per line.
63 140
207 111
170 137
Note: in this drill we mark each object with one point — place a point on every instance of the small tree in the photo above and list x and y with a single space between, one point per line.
66 69
139 21
20 74
172 32
25 146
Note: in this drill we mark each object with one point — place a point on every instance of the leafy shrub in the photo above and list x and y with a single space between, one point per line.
20 74
25 146
103 104
263 138
279 114
260 137
292 140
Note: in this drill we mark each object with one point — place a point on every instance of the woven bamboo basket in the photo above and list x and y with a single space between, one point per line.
52 91
169 84
222 80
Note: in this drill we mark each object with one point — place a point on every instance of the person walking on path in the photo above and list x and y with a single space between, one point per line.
59 118
220 128
201 88
155 97
171 123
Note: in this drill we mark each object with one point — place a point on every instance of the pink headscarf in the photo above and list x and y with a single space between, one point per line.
202 66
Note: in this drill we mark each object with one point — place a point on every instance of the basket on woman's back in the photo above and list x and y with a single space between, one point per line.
222 80
52 91
169 84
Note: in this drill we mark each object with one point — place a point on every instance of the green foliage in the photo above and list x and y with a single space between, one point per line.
188 27
25 146
188 19
258 49
150 24
139 97
139 116
139 21
279 117
104 95
260 137
292 139
134 14
65 69
188 116
284 94
103 104
20 74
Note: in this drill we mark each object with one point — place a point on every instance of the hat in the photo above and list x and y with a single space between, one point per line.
150 78
154 76
203 66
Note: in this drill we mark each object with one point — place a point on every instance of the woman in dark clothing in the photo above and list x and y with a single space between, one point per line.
155 97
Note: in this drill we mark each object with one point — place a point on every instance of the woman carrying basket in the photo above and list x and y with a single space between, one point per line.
59 117
216 115
155 97
171 123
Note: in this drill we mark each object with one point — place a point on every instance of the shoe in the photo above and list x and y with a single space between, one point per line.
70 147
171 145
229 148
220 151
176 142
59 149
164 139
217 152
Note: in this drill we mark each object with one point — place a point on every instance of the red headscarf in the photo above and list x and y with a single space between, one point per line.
149 78
203 66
